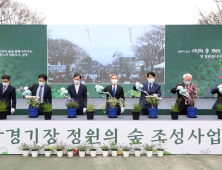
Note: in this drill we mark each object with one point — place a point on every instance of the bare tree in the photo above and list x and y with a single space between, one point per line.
213 17
18 13
149 46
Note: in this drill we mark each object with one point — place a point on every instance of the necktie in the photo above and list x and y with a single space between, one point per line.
3 91
40 92
114 91
149 88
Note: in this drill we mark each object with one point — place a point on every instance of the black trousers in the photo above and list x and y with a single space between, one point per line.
184 111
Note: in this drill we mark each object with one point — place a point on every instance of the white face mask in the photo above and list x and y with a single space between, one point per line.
76 82
41 83
114 81
151 80
5 84
187 83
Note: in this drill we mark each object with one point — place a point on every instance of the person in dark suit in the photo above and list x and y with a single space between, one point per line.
217 90
151 88
116 91
7 94
78 91
43 91
187 78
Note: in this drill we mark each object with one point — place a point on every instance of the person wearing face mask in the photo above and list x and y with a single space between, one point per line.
78 91
151 88
116 91
41 90
7 94
187 78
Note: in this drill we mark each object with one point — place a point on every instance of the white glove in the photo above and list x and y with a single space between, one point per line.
179 87
137 83
96 86
62 89
122 109
84 110
12 110
219 86
220 90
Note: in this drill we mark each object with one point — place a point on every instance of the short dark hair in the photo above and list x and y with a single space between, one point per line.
76 75
114 75
151 73
6 77
43 76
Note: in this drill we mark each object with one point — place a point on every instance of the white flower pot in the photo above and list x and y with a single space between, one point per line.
70 154
25 153
59 153
35 154
160 153
105 153
126 154
137 153
47 153
82 154
93 153
114 153
149 153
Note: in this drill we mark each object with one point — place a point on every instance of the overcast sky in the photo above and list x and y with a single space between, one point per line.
120 11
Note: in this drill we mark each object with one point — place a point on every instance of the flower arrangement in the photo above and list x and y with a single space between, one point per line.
48 147
69 148
35 147
153 100
24 146
72 103
191 94
136 145
148 147
82 147
113 145
126 148
113 102
92 147
33 101
105 147
59 146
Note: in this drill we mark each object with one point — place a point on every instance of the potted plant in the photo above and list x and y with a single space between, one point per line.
160 148
3 111
35 149
90 110
25 149
47 111
33 102
82 149
126 150
112 103
219 110
175 110
105 148
113 147
59 147
92 150
190 94
48 149
154 101
136 146
149 149
69 150
72 106
136 111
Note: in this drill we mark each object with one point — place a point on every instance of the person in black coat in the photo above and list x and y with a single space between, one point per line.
78 91
43 91
119 92
187 78
7 94
217 90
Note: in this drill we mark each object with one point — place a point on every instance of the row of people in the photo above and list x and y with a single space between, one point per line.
78 91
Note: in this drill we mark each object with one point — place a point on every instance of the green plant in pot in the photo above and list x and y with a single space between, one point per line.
82 147
137 147
105 148
92 149
149 149
69 150
175 109
47 111
136 111
112 104
113 147
90 110
25 149
3 111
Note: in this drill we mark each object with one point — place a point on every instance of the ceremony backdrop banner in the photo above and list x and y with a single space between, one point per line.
99 51
183 137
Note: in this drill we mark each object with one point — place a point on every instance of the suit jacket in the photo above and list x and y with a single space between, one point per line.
8 96
182 102
155 89
47 96
119 92
81 97
219 97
